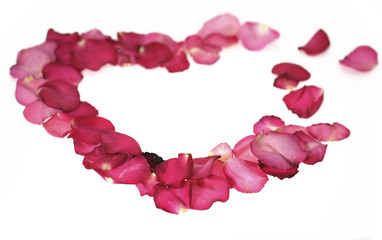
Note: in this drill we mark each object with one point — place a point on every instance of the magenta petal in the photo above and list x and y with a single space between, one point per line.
147 187
133 171
101 160
223 150
202 167
58 125
84 110
244 177
267 124
279 151
172 199
62 37
317 44
304 101
255 36
177 63
60 95
174 171
315 149
115 142
26 90
57 71
92 122
279 173
207 191
328 132
37 112
363 58
285 83
242 149
289 75
152 55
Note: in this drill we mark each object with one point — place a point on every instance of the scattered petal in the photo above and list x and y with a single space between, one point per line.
304 101
267 124
26 90
289 75
177 63
242 149
317 44
328 132
200 51
363 58
147 187
255 36
315 149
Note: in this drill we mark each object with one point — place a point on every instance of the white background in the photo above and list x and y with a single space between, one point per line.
46 193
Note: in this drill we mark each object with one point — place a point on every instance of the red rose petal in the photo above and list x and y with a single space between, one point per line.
177 63
172 199
152 55
60 95
363 58
147 187
84 110
289 75
62 38
317 44
279 173
57 71
255 36
101 160
285 83
242 149
243 176
267 124
329 132
115 142
37 112
315 149
304 101
58 125
174 171
202 167
206 191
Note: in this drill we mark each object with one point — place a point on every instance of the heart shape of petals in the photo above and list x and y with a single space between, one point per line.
48 76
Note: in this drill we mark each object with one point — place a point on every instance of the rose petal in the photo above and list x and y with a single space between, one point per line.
174 171
315 149
243 176
242 149
37 112
115 142
84 110
153 55
304 101
172 199
207 191
200 51
58 125
26 90
223 150
329 132
255 36
177 63
147 187
99 159
285 83
363 58
317 44
60 95
202 167
57 71
267 124
62 38
289 75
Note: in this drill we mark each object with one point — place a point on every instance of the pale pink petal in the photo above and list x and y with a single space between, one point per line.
292 129
26 90
279 151
315 149
317 44
200 51
304 101
244 176
223 150
174 171
267 124
329 132
37 112
94 34
363 58
60 95
115 142
206 191
202 167
242 149
58 125
58 71
255 36
172 199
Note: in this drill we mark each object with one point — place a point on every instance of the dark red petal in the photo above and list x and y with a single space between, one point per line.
64 52
57 71
93 54
285 83
93 122
130 40
101 160
62 38
304 101
37 112
59 125
202 167
115 142
329 132
133 171
177 63
317 44
243 176
267 124
200 51
363 58
291 71
162 39
207 191
279 173
315 149
60 95
152 55
172 199
84 110
242 149
174 171
255 36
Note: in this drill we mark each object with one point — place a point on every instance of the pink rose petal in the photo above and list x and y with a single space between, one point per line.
60 95
57 71
37 112
244 176
242 149
206 191
200 51
177 63
328 132
58 125
147 187
223 150
172 199
115 142
153 55
315 149
317 44
363 58
289 75
174 171
202 167
62 38
99 159
285 83
267 124
255 36
26 90
84 110
304 101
